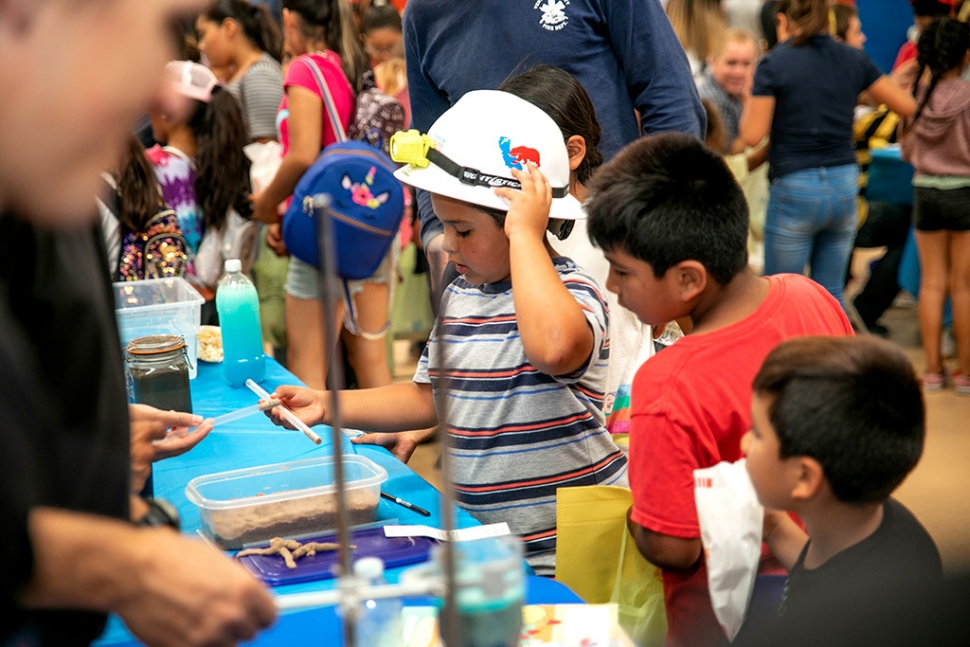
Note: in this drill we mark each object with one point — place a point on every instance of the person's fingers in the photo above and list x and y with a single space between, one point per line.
504 192
180 419
382 440
285 392
264 608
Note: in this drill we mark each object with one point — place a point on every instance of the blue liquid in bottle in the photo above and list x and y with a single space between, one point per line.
242 337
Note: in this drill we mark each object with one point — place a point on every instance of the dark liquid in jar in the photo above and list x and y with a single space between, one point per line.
165 388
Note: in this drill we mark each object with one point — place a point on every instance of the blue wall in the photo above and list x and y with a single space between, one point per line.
885 23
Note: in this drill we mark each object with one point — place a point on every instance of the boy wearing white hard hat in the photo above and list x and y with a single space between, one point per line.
521 370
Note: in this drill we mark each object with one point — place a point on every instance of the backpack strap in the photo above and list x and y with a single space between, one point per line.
350 318
328 104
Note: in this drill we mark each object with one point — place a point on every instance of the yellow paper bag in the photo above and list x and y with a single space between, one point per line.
597 558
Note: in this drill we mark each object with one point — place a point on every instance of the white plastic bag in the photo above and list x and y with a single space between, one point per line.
266 158
731 521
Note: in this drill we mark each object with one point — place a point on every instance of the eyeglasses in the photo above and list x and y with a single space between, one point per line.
388 49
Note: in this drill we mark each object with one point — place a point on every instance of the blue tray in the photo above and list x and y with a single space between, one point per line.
371 542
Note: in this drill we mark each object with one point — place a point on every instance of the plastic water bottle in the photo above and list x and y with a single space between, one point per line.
242 336
379 623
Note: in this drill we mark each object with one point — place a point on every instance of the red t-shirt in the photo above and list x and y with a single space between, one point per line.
343 96
906 53
691 404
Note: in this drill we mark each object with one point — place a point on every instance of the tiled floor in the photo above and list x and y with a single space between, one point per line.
938 490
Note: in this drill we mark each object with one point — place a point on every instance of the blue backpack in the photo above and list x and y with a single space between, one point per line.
366 201
366 205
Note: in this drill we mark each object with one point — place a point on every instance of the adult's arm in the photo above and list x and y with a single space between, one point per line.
169 590
657 72
756 120
886 90
427 104
305 133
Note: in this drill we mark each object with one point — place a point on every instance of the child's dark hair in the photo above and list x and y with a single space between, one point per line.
669 198
843 15
716 134
139 197
332 21
255 21
807 18
941 48
222 173
560 95
380 16
931 8
851 403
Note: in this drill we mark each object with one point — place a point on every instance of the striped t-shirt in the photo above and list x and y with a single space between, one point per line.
260 91
518 434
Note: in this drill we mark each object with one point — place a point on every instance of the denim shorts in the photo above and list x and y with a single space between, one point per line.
303 280
942 209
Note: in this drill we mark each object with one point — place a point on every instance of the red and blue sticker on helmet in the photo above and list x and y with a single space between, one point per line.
519 156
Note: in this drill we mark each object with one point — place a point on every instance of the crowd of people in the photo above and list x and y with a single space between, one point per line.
588 184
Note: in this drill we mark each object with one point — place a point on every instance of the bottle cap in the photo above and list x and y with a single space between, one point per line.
233 265
369 567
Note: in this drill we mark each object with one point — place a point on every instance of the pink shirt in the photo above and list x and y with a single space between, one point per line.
299 74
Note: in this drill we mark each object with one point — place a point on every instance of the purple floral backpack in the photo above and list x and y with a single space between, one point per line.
157 252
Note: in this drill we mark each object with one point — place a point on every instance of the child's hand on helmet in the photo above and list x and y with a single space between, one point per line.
529 209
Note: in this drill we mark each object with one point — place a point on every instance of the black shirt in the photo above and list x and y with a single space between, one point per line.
65 436
855 596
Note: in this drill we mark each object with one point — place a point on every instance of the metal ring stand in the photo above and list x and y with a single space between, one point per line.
349 588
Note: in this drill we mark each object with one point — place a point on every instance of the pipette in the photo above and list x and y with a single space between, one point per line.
245 411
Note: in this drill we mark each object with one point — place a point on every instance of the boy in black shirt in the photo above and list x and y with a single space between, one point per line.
837 424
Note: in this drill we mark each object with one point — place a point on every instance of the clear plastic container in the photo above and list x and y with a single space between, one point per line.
160 307
293 499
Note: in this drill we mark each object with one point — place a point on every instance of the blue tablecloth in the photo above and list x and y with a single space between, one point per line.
254 441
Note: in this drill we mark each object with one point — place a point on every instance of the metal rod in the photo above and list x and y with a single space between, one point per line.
449 625
334 368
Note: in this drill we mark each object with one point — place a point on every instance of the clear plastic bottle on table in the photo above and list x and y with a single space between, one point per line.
379 623
242 337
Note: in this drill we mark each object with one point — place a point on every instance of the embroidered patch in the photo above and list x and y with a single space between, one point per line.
519 156
554 16
360 192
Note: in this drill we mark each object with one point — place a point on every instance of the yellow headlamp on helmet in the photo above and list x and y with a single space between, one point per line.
411 147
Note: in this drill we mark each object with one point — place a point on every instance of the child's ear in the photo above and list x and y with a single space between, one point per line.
692 277
576 147
810 477
231 27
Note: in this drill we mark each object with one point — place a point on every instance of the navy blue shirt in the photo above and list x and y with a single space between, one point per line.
816 88
623 52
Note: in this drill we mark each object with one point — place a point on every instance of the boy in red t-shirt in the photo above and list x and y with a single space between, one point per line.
673 224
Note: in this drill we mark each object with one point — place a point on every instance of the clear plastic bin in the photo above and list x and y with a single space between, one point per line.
292 499
160 307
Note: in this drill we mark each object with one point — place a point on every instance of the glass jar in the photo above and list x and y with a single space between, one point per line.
158 369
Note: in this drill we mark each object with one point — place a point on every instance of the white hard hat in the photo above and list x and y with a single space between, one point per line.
480 139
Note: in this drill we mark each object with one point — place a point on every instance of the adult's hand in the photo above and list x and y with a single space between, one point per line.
170 591
157 434
308 405
401 444
186 593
